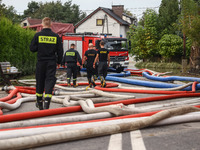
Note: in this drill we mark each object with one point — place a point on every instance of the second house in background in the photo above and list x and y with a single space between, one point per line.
104 20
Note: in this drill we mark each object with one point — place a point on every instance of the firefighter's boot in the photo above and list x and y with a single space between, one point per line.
74 83
89 86
95 77
93 81
103 81
47 101
39 102
68 82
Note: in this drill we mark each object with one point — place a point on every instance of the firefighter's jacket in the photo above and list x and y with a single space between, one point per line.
71 56
48 46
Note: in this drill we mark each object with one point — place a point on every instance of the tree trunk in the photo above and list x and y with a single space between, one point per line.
195 59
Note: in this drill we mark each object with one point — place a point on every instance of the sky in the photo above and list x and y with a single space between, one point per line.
136 7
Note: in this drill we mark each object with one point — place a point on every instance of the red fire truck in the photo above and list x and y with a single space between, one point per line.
117 46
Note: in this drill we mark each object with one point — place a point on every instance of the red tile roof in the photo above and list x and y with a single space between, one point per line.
34 21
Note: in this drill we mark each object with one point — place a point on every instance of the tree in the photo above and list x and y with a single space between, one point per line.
168 15
66 13
9 12
144 39
32 9
190 25
151 32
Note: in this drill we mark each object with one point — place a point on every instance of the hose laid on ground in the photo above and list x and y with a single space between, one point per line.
117 109
68 103
64 136
58 120
14 92
148 83
158 89
11 101
106 94
16 133
17 103
69 88
123 74
36 114
141 91
92 116
170 78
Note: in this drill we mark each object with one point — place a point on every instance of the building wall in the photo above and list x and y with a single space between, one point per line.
90 25
124 30
25 22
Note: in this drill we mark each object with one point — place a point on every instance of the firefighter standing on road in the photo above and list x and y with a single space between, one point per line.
49 50
71 56
90 55
104 62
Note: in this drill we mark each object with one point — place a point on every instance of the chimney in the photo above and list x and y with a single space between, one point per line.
118 10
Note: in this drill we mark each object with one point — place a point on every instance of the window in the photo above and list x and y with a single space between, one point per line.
90 41
25 24
100 22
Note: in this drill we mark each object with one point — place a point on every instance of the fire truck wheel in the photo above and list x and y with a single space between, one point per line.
120 69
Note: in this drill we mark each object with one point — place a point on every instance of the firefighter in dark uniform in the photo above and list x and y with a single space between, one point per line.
104 62
49 50
90 56
71 57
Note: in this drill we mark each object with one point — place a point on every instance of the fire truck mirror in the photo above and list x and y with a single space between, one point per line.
83 39
97 44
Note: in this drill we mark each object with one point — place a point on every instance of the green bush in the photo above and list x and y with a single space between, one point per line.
170 45
14 46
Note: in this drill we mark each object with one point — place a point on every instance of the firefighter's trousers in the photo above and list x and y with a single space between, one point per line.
71 70
102 69
45 76
90 73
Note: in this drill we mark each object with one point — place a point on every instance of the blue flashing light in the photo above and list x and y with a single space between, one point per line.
121 36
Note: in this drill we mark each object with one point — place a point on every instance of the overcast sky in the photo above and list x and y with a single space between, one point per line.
135 6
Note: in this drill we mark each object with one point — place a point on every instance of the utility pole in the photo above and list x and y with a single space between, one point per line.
105 20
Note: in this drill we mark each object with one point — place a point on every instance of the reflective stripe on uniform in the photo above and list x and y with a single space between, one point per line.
47 39
103 52
39 95
48 95
70 53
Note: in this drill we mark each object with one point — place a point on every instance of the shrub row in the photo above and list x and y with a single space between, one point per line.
158 65
14 46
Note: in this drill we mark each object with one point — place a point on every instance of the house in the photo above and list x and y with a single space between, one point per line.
30 22
57 27
104 20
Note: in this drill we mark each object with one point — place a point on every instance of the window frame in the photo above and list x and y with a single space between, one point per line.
97 20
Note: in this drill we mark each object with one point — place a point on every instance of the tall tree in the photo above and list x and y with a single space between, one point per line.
168 15
144 39
66 13
190 23
9 12
32 9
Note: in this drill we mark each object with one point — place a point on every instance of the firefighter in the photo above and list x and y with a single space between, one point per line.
49 50
71 57
90 55
104 62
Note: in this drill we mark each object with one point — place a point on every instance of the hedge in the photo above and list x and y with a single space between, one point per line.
14 46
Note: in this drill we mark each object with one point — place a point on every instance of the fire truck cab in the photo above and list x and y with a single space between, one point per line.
117 46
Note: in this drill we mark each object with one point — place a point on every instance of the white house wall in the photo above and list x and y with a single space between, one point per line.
90 25
123 31
25 21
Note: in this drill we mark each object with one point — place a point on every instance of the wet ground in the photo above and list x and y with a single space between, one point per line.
185 136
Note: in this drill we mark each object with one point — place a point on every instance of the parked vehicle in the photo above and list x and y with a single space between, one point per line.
117 46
